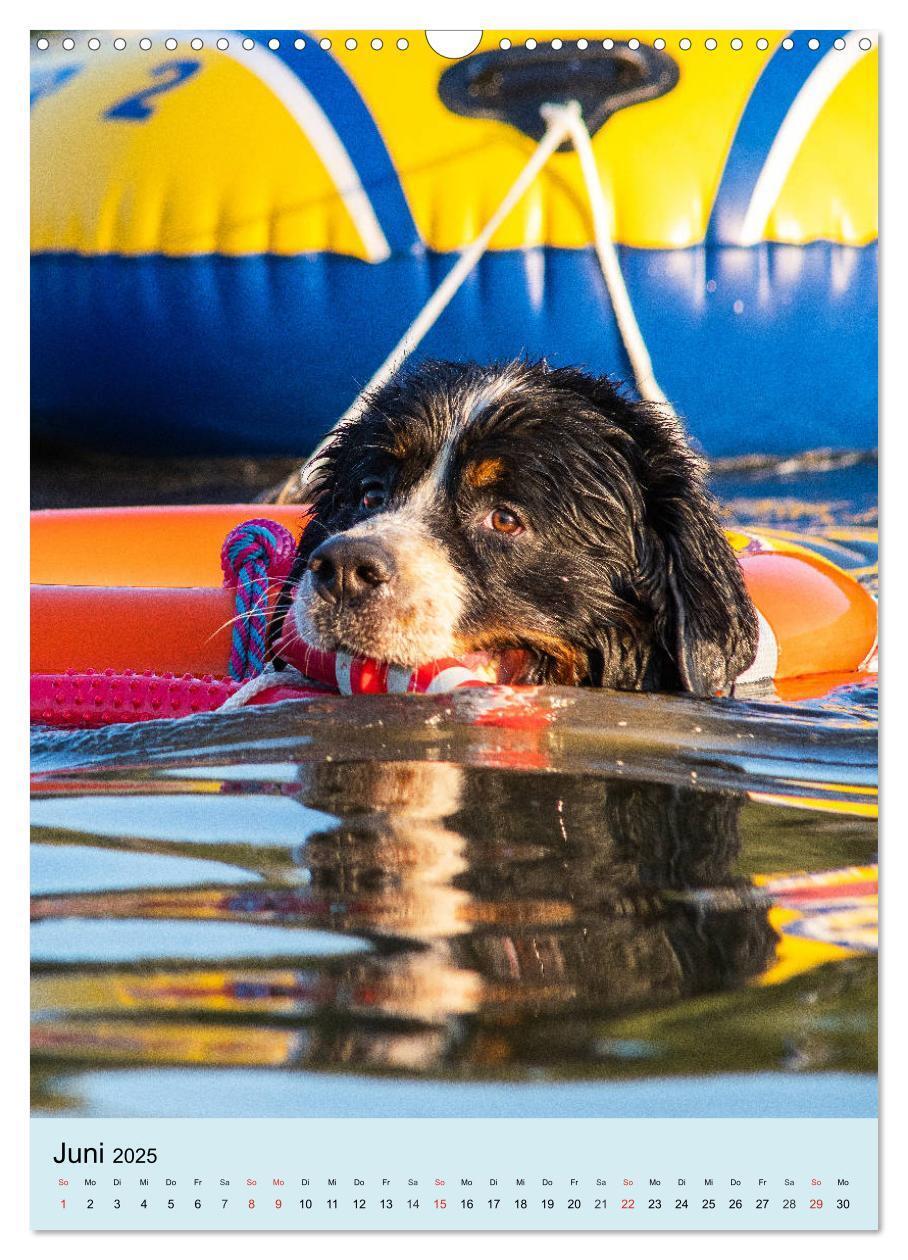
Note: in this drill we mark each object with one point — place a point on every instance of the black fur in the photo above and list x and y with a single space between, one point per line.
622 576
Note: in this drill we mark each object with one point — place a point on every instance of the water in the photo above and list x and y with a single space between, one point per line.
559 902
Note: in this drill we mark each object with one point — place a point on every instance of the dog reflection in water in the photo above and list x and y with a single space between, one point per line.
516 911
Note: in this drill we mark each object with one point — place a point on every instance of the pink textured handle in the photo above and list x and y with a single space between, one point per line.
90 699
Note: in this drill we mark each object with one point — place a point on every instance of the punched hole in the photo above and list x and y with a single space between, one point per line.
452 44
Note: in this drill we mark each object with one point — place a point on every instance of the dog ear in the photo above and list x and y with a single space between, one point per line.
709 625
713 625
705 622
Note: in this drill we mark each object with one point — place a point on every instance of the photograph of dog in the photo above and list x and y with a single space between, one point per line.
454 574
514 507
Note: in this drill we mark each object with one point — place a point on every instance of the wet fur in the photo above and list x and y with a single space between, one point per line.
623 577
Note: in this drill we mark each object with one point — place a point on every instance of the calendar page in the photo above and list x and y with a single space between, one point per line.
454 629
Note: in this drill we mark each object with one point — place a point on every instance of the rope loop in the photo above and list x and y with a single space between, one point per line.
563 121
254 554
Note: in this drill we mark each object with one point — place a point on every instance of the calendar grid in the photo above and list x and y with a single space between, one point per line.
445 1175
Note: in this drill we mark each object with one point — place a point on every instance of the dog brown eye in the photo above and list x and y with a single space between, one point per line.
503 521
373 497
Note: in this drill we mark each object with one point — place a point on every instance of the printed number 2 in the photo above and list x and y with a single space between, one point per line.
169 75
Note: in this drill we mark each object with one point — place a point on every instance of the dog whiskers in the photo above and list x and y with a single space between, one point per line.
250 613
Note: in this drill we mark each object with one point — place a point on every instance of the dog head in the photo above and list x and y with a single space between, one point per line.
474 508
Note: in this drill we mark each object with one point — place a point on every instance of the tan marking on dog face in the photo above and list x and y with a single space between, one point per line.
570 660
399 447
484 472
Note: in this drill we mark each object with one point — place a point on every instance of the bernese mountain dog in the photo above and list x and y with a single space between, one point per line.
472 508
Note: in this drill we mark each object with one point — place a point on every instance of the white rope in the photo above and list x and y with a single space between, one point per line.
561 121
558 124
270 677
631 336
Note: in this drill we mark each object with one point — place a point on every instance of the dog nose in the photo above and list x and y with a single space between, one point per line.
349 568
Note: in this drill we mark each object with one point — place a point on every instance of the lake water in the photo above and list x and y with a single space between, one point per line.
547 903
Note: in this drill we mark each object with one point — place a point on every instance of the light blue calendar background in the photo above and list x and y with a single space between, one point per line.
369 1174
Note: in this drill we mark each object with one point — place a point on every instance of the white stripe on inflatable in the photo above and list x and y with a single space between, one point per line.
815 92
316 126
398 680
766 661
871 662
450 678
343 663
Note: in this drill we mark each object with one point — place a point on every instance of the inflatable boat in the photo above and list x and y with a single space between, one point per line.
232 231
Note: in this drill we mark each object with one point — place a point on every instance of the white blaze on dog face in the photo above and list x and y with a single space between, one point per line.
413 618
407 621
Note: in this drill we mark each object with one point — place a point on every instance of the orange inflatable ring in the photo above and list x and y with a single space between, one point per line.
139 589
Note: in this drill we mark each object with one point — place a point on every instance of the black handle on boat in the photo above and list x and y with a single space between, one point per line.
512 84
